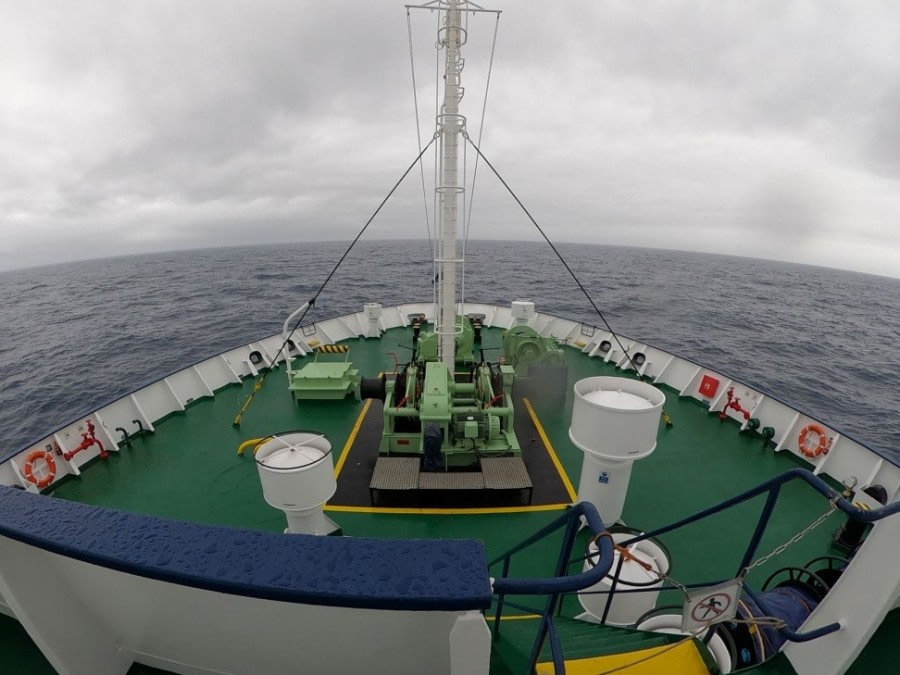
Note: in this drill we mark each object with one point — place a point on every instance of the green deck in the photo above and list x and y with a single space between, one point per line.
189 469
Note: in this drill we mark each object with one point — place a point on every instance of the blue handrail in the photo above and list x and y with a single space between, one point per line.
553 587
562 583
773 487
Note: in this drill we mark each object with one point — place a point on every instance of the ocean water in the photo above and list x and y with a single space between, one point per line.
78 335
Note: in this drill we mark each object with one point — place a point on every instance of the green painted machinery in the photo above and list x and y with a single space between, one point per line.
453 420
328 377
523 348
427 346
539 363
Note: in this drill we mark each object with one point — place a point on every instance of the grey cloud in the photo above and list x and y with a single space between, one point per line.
661 124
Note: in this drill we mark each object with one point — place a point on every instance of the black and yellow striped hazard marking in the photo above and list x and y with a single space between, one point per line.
333 349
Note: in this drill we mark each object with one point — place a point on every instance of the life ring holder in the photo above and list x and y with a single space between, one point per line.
820 448
47 458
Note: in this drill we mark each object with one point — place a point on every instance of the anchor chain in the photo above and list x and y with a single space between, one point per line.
793 540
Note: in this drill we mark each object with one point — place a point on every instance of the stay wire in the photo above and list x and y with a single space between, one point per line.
412 67
487 88
558 254
312 302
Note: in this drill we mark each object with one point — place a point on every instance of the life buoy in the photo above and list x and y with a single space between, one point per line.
821 445
47 458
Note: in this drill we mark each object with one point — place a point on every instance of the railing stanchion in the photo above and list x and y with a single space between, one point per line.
500 597
554 588
612 589
760 527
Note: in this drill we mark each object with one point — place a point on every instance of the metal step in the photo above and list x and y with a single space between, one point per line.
402 473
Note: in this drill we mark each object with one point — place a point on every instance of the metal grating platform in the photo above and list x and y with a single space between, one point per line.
402 474
506 473
394 473
451 480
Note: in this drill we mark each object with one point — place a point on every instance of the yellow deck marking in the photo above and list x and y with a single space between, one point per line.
681 657
550 451
351 438
447 512
513 617
456 512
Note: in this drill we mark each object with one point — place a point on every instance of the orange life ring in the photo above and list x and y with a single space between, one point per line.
51 468
822 445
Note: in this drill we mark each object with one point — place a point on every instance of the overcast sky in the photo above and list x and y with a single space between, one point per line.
767 128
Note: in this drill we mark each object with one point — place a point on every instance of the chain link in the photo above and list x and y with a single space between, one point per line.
758 562
793 540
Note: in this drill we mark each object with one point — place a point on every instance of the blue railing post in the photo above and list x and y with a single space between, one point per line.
612 589
543 628
562 568
559 663
500 597
761 526
562 583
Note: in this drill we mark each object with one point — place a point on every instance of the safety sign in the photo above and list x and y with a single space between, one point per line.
711 604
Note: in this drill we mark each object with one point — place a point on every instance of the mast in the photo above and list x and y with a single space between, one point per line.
450 123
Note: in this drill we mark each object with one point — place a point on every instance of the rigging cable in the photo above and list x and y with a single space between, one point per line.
412 67
435 273
487 87
312 302
558 255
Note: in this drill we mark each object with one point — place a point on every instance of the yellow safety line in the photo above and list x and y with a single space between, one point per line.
550 451
512 617
447 512
351 438
455 512
680 657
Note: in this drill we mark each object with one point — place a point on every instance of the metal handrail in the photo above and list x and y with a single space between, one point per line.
553 587
773 487
562 583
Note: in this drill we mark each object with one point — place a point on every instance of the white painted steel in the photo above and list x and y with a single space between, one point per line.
604 483
671 624
152 625
680 374
153 402
296 472
522 311
614 422
373 312
450 123
90 619
867 590
626 608
615 417
470 645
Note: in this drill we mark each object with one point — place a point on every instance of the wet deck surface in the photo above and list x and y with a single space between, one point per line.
190 470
